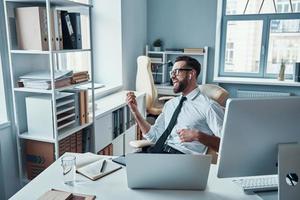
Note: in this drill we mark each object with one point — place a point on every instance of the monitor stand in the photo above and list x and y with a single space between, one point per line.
288 171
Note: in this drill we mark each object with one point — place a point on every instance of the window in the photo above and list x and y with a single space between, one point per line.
3 112
257 36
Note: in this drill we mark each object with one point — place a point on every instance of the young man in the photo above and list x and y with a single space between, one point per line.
197 120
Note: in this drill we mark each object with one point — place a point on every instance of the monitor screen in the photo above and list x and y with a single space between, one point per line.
252 130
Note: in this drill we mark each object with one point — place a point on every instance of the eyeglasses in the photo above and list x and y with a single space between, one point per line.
175 72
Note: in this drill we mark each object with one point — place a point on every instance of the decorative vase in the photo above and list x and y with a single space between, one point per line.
157 48
281 72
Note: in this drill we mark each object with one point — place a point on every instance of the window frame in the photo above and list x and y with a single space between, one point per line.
266 19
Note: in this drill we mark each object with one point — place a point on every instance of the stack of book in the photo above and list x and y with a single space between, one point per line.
42 79
194 50
79 77
65 29
156 60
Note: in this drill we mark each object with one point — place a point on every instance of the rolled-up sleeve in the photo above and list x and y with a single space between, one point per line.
157 129
214 117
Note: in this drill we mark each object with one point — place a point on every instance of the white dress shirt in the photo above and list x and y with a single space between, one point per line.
198 112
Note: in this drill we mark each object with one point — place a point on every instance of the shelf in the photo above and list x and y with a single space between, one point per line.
71 50
66 117
70 87
65 110
33 90
29 52
48 52
156 52
27 136
66 133
64 103
52 2
183 53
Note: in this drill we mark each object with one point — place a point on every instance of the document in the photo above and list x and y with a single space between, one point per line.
94 167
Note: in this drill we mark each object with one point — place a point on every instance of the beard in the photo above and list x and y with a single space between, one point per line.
180 85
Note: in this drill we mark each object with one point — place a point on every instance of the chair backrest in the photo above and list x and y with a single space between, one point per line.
215 92
144 80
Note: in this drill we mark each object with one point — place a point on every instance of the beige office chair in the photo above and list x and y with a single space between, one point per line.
214 92
145 83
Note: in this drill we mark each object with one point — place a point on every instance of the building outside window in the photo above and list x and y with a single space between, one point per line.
258 35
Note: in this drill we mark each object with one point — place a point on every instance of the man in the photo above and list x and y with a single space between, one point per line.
199 122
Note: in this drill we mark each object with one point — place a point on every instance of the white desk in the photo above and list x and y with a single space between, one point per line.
114 187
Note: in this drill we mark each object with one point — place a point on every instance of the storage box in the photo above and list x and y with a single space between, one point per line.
39 155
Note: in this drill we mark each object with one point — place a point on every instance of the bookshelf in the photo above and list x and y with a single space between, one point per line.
115 126
160 70
54 120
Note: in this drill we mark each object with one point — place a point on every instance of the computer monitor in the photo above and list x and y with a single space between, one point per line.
252 130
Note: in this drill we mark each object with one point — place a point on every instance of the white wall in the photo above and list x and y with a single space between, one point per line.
107 41
119 31
8 159
134 37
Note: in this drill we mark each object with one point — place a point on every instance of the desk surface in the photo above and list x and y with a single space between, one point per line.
114 186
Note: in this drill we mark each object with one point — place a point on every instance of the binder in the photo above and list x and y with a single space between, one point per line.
76 23
82 106
86 106
31 26
57 29
71 30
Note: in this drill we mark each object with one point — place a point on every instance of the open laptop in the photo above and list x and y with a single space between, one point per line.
167 171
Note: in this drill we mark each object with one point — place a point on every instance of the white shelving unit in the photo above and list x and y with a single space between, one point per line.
25 61
160 68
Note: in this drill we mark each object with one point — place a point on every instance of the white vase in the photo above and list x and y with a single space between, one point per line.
157 48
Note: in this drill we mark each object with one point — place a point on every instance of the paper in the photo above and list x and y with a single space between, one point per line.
46 76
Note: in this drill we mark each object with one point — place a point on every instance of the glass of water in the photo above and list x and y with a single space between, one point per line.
68 164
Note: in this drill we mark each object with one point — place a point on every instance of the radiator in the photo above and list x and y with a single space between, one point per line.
255 94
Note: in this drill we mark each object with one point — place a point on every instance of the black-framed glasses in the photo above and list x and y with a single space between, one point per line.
175 72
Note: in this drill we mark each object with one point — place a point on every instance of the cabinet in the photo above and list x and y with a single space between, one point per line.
160 62
51 112
115 126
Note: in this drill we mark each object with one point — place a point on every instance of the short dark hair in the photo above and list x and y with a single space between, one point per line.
191 62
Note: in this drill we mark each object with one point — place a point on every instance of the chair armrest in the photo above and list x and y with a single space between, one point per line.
140 143
165 98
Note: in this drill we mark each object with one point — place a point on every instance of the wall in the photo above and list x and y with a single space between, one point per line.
8 159
192 23
183 23
8 152
107 42
134 36
119 35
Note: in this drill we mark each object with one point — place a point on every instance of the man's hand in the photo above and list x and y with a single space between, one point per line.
131 101
188 135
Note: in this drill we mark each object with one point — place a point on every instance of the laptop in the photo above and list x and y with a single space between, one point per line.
167 171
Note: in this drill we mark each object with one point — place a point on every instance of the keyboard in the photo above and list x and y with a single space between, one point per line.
257 184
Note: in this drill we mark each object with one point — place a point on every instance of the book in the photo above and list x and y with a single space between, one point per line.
194 50
89 165
54 194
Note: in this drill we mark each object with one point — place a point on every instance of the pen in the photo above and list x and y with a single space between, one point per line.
103 166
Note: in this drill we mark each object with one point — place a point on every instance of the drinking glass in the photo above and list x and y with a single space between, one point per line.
68 164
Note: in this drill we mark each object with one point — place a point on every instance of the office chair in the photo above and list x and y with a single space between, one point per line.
145 83
215 92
